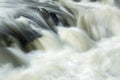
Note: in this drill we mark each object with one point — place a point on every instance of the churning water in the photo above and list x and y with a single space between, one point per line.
59 40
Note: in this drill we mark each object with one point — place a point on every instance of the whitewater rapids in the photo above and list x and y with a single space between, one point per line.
87 50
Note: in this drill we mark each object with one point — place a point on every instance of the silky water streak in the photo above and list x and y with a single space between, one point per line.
59 40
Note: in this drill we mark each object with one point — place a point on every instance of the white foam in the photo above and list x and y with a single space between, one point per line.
72 55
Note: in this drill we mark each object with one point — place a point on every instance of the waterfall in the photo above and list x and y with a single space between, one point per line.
59 40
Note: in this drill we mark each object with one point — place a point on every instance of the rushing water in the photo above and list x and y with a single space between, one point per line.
59 40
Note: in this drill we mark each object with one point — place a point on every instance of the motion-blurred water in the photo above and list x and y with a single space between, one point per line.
59 40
